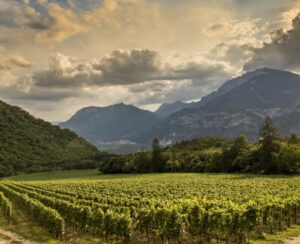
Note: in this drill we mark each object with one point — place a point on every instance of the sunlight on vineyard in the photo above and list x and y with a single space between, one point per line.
163 207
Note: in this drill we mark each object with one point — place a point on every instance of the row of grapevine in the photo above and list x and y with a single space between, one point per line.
109 225
119 205
197 218
95 201
165 190
47 217
212 220
6 207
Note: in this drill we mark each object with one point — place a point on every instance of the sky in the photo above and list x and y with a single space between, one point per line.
57 56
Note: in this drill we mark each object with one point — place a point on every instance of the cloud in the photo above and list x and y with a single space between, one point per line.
233 53
123 68
283 52
211 39
50 22
115 21
7 79
288 16
241 29
58 25
187 81
141 75
13 61
129 67
14 14
16 92
197 71
239 39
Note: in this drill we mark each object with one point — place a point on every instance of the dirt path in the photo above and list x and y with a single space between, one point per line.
295 240
13 237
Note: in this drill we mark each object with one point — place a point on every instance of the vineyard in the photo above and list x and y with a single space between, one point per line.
186 208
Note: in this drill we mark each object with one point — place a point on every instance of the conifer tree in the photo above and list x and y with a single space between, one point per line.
158 163
269 146
293 139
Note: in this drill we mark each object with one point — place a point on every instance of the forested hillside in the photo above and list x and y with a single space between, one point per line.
28 144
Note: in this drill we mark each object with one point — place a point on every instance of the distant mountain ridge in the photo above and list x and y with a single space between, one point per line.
166 109
262 88
111 123
237 107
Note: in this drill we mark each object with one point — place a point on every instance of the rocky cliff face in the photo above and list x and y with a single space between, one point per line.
166 109
239 106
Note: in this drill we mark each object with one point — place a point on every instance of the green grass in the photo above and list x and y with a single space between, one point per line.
70 176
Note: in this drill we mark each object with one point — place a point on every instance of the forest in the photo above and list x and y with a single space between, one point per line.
271 154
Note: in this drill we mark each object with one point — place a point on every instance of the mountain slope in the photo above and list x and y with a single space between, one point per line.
112 123
166 109
28 144
263 88
238 107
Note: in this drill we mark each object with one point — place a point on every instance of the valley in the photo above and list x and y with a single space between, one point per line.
149 122
239 106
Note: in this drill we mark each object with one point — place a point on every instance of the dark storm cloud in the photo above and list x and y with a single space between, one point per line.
194 70
144 72
42 24
283 52
119 68
37 94
122 68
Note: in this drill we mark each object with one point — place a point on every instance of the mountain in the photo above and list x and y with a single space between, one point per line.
28 144
166 109
263 88
238 107
112 123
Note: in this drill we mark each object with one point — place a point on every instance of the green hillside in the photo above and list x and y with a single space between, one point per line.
31 145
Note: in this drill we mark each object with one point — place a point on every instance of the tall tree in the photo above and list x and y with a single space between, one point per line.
143 162
269 146
293 139
231 153
158 163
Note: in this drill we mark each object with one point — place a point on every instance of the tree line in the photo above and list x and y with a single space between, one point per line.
271 154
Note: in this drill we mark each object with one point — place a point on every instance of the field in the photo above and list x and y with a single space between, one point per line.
170 208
